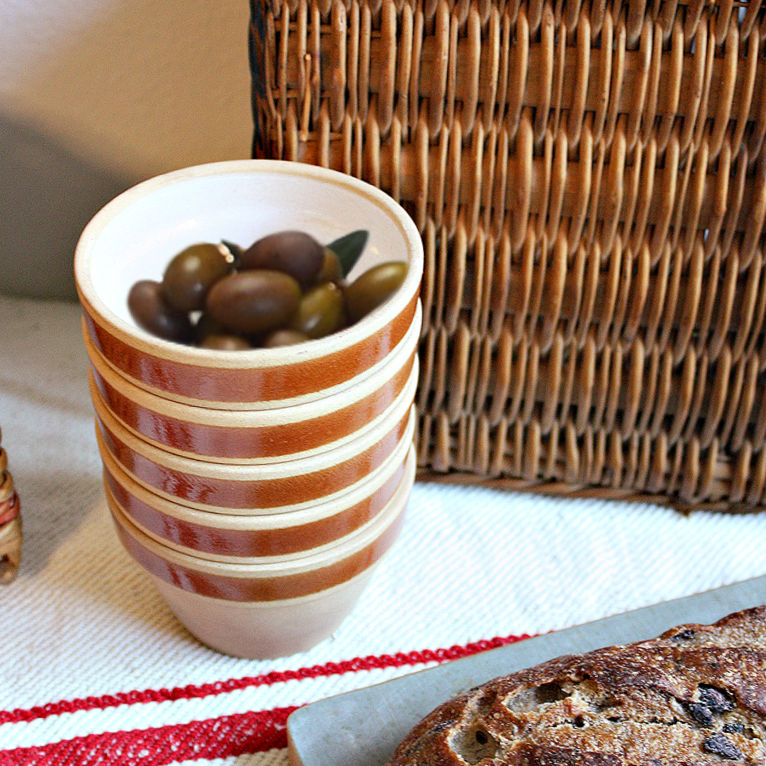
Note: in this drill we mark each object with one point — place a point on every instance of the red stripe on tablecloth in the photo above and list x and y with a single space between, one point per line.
371 662
222 737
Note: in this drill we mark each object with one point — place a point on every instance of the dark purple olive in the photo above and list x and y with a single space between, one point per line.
253 301
321 311
284 337
293 252
374 287
152 313
192 272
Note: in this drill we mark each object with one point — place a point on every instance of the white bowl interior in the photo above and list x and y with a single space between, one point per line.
136 235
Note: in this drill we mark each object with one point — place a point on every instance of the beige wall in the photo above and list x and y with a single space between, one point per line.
96 95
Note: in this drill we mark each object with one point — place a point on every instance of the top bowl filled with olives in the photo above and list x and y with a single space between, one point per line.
249 284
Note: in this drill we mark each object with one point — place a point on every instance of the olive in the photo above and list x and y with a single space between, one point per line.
225 342
284 337
253 301
294 252
331 270
206 325
374 287
321 311
151 312
190 274
212 334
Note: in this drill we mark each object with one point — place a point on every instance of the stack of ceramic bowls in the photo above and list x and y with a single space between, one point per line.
257 488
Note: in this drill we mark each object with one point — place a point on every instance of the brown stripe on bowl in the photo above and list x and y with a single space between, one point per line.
220 386
252 436
291 488
221 537
258 583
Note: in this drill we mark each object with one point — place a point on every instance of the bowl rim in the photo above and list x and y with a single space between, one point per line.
260 522
260 417
403 487
283 566
142 341
408 434
266 469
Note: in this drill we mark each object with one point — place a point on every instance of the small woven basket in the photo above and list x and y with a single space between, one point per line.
10 523
590 183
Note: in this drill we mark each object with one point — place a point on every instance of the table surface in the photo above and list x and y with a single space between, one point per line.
96 669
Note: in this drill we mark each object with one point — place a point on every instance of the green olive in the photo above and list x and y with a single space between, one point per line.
192 272
293 252
151 312
321 311
225 342
373 288
253 301
331 270
284 337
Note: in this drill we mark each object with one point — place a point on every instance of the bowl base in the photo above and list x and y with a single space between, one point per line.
267 629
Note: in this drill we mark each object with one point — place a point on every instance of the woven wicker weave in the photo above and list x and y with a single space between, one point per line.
590 183
10 523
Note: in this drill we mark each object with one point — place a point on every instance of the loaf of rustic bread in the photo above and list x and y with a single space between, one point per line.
695 696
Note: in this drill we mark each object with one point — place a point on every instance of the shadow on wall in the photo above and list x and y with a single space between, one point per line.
47 196
98 95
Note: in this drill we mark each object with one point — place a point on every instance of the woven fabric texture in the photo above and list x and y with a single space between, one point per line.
588 179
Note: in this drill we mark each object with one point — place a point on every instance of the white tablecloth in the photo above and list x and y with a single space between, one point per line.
95 668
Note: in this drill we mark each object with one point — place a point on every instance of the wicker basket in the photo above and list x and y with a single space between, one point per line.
590 183
10 523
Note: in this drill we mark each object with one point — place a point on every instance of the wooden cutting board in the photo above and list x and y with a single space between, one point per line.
362 728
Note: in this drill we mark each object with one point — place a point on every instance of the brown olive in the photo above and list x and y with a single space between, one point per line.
253 301
331 270
321 311
206 325
374 287
212 334
225 342
294 252
151 312
190 274
284 337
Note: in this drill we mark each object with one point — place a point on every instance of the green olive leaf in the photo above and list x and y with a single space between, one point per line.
348 248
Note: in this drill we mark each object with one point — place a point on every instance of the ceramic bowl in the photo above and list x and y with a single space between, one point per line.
239 537
258 486
134 236
273 609
244 436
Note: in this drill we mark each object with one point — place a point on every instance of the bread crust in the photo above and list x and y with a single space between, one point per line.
695 696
